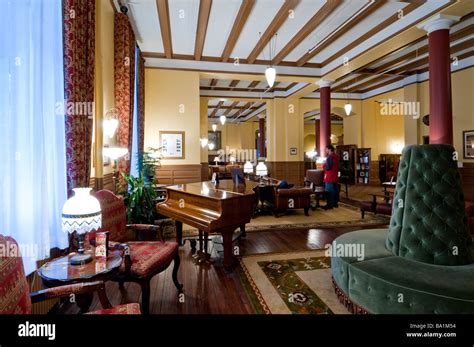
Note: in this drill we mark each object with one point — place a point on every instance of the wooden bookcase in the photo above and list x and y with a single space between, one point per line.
363 165
388 167
347 154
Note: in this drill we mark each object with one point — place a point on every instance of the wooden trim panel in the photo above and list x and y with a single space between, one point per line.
177 174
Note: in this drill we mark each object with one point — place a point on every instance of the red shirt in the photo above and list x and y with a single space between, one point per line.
331 168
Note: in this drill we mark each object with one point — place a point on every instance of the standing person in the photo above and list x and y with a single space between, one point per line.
331 175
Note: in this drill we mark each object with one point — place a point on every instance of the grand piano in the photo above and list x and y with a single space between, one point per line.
211 208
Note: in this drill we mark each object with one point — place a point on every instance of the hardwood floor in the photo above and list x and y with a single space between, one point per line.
210 289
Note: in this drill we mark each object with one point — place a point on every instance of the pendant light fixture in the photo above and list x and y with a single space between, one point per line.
214 127
270 72
348 106
223 119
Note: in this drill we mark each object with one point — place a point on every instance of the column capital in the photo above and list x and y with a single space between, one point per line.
438 22
324 83
261 116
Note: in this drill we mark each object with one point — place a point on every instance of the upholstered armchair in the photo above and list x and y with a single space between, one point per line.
316 177
142 259
291 198
15 296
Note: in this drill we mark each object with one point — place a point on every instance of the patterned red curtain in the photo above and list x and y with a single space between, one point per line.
79 50
124 61
141 102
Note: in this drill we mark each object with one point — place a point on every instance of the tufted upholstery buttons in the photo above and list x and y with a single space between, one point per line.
433 216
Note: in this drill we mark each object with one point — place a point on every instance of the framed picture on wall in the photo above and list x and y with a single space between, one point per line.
215 137
468 144
172 144
293 151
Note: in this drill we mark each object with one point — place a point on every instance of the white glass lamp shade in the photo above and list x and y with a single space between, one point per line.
348 109
204 142
261 169
110 126
211 146
214 127
216 159
232 159
223 119
311 154
81 213
248 167
114 152
270 75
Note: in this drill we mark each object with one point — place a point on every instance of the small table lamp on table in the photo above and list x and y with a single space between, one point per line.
81 214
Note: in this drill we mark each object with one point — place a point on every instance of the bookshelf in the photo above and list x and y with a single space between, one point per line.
346 154
363 165
388 166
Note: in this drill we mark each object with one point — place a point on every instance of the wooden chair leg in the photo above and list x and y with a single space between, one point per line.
177 262
145 296
362 213
306 211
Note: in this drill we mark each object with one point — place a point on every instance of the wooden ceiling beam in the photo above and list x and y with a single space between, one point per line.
389 21
241 19
277 22
231 108
233 83
203 20
164 18
307 29
370 8
213 114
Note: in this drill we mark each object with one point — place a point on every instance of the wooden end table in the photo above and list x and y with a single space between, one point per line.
60 271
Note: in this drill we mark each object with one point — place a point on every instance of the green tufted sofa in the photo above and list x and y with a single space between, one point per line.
423 263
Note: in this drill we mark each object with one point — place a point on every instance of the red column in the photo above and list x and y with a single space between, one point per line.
325 116
441 112
261 139
317 126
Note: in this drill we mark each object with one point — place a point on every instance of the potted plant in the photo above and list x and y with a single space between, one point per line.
148 162
140 200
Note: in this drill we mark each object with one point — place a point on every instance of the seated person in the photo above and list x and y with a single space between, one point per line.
283 184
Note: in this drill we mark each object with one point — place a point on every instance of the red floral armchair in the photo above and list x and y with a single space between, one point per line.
15 296
142 259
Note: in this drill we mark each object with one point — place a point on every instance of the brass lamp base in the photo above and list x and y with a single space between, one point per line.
80 259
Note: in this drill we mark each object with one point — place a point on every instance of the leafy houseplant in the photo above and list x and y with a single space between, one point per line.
148 162
139 199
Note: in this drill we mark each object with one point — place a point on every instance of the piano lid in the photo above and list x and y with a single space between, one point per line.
226 189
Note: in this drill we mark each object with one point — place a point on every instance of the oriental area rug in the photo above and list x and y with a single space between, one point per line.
290 283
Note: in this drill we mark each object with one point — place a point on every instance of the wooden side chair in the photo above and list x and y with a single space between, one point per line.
143 259
15 296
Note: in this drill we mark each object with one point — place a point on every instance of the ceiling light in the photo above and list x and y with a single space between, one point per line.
211 146
223 119
348 109
214 127
270 75
204 142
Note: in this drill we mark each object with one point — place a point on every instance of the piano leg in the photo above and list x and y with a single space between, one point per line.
227 237
179 232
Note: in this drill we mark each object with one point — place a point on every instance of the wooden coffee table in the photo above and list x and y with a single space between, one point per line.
59 271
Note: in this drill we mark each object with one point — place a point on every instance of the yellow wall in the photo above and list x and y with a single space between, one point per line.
167 92
310 137
104 81
382 133
285 129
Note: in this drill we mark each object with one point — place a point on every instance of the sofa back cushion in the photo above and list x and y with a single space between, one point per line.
428 221
14 289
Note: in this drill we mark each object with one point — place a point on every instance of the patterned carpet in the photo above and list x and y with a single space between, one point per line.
345 215
290 283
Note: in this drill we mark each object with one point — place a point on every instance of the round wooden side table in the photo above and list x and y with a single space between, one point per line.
60 271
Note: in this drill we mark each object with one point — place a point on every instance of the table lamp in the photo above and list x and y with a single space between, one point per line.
261 169
216 159
248 167
81 214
